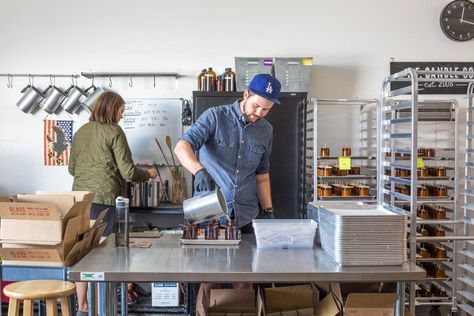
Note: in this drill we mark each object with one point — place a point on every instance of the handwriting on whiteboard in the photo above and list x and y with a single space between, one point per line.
144 113
145 119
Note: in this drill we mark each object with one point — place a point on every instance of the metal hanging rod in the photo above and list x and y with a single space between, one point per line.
131 74
40 75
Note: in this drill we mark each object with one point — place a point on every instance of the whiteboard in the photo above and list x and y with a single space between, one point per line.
146 119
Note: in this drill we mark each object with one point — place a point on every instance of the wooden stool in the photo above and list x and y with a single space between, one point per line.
49 290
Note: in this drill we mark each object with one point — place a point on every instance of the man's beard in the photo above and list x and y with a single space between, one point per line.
247 117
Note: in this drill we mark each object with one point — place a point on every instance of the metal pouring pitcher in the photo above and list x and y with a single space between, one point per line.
71 103
205 207
89 102
30 98
53 98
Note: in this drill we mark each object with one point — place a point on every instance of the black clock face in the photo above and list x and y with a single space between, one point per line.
457 20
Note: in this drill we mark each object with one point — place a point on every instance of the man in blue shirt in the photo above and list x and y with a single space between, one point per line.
234 143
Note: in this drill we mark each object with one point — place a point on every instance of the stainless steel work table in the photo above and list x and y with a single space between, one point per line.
168 260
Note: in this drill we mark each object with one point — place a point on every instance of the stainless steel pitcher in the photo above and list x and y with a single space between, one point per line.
30 98
53 98
89 102
71 104
205 207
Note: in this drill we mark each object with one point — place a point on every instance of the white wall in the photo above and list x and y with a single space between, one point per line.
351 41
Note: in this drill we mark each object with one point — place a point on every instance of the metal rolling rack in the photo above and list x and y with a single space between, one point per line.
367 149
399 136
466 251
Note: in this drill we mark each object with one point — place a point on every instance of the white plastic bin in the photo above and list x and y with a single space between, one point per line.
284 233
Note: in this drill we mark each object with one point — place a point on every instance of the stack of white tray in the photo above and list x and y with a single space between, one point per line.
363 235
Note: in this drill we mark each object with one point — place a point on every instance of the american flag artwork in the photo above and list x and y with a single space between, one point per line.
57 142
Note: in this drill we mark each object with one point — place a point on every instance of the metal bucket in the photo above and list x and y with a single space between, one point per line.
205 207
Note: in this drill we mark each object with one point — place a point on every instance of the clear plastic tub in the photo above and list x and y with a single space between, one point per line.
284 233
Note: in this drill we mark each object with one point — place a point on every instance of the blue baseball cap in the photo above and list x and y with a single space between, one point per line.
266 86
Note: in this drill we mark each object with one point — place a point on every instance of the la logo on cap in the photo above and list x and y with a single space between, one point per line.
269 88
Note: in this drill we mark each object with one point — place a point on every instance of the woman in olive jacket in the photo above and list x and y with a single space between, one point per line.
101 162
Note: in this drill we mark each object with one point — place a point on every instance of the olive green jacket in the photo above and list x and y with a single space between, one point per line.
101 162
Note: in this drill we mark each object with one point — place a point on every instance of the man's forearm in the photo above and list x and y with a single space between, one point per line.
186 157
263 190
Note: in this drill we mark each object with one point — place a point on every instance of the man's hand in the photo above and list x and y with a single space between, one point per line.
268 212
203 181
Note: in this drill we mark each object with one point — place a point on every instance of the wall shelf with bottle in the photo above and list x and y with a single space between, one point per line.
208 80
350 176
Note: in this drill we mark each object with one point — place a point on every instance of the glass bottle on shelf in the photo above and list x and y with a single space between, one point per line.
229 80
220 83
210 80
200 80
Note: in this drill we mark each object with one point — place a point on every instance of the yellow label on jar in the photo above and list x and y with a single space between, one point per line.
344 163
307 61
419 163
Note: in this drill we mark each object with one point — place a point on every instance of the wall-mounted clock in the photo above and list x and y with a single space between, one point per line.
457 20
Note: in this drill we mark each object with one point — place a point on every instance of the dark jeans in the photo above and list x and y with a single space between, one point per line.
109 218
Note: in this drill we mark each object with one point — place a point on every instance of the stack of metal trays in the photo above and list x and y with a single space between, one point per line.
357 235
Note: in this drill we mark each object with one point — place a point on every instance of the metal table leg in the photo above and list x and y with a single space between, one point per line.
91 298
123 299
400 308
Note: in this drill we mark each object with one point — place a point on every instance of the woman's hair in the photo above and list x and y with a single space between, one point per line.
106 108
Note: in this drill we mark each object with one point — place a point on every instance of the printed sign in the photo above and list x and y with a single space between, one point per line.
92 276
436 87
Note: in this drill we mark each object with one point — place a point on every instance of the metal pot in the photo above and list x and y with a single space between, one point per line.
205 207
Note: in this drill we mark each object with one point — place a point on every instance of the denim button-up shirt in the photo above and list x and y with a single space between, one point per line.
233 152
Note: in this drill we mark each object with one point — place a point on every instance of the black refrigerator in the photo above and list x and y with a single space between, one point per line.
287 162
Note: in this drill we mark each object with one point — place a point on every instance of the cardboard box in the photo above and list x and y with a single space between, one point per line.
370 304
69 251
165 294
302 300
231 302
65 201
38 223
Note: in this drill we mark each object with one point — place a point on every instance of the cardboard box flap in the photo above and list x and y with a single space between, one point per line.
31 211
98 232
78 195
288 298
71 231
327 307
232 300
64 202
4 198
75 251
100 218
77 210
29 242
371 300
29 254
